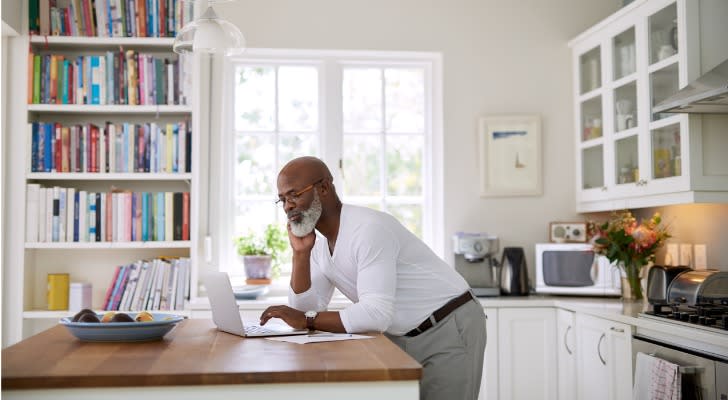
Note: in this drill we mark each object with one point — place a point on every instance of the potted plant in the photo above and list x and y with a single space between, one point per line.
261 253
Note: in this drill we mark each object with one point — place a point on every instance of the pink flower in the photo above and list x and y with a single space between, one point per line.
644 236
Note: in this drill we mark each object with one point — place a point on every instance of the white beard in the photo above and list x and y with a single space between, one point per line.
309 218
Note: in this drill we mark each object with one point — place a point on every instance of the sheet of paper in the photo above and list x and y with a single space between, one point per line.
318 337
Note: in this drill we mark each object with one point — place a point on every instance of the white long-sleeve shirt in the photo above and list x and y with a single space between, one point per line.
394 280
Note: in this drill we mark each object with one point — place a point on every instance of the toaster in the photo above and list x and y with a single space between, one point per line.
659 279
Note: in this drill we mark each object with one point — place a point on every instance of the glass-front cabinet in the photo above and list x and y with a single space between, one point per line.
626 155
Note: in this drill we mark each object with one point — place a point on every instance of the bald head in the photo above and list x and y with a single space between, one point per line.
305 169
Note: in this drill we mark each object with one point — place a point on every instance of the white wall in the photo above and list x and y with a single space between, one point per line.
12 12
498 57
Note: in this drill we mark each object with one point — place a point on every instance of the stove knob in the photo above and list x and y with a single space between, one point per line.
693 318
709 321
725 322
676 315
684 316
701 320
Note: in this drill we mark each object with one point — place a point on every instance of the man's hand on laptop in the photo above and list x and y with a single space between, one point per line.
296 319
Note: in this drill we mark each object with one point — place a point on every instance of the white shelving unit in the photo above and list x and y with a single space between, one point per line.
627 156
26 265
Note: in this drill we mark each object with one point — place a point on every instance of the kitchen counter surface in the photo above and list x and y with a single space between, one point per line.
195 353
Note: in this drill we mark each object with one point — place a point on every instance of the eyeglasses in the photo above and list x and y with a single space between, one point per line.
293 197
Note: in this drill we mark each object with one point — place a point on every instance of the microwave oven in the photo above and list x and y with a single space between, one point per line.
574 269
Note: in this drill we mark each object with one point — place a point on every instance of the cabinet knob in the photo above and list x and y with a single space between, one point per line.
604 188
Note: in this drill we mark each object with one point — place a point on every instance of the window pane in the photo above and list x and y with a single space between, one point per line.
297 146
254 163
255 99
404 165
405 100
409 215
362 160
298 98
255 215
362 100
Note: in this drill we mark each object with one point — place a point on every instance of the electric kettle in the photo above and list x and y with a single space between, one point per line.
513 277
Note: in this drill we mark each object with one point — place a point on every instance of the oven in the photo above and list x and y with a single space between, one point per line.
703 376
686 325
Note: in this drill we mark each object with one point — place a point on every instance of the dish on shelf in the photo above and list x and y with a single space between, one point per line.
249 292
122 331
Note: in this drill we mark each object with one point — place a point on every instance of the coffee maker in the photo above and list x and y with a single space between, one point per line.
474 260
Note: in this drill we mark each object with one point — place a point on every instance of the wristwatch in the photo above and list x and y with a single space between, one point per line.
310 317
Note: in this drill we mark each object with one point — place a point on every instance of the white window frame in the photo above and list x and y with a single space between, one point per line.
220 156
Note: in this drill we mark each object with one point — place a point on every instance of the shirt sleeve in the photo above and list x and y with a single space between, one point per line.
318 296
375 253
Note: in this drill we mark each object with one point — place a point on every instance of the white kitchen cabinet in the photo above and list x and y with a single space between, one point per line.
489 384
627 156
566 354
525 364
604 359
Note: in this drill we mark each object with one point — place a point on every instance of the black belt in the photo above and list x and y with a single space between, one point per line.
441 313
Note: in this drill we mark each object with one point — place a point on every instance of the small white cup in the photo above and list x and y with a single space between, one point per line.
625 121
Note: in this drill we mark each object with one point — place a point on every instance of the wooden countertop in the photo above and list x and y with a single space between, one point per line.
195 353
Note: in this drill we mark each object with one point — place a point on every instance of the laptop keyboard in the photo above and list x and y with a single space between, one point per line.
258 330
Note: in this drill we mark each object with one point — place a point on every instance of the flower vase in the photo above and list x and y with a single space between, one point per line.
631 283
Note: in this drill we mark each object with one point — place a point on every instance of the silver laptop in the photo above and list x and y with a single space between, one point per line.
226 314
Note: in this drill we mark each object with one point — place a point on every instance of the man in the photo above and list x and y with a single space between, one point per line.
397 284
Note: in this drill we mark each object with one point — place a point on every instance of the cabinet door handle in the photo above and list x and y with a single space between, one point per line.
599 348
566 345
619 330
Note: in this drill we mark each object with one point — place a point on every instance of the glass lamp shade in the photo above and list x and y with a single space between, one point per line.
209 34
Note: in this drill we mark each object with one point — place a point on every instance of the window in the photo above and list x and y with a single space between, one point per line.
369 116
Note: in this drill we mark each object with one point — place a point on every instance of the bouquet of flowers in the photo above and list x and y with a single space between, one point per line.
628 244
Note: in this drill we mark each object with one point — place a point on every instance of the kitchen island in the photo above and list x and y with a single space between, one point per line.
196 361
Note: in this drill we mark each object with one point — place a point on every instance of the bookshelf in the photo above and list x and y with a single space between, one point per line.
29 262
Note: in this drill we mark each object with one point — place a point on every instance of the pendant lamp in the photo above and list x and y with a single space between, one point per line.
209 34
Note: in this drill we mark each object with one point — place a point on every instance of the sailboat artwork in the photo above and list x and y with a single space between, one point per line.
511 134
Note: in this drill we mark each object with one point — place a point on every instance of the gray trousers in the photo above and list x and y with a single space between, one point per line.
451 354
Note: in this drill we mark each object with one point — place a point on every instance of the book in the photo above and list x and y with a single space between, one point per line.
185 215
32 198
70 213
98 216
110 289
122 286
130 286
136 303
177 215
42 207
62 214
56 221
168 216
83 216
49 214
76 216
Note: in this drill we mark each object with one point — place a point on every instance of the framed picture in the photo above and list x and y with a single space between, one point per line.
510 155
567 232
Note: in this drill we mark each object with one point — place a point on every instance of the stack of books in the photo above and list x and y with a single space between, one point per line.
161 284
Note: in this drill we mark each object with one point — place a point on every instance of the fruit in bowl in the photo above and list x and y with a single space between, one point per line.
144 316
77 317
